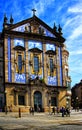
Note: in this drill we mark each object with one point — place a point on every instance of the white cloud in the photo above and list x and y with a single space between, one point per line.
73 32
72 22
76 9
42 5
77 51
75 70
76 33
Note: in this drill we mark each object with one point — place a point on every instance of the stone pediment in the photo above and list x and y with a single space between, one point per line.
50 52
35 50
33 25
38 82
19 48
20 89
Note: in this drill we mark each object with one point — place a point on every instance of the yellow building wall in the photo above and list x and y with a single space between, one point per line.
62 98
10 95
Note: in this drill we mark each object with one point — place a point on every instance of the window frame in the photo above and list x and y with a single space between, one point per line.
36 65
19 62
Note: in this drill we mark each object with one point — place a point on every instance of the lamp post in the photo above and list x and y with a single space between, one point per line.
49 105
77 105
68 102
5 101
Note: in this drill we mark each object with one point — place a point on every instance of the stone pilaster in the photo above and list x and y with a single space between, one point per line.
44 99
6 59
16 98
44 62
12 60
27 61
58 66
26 99
32 99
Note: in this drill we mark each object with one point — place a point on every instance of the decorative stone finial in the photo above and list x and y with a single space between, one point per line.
60 30
11 20
55 28
5 18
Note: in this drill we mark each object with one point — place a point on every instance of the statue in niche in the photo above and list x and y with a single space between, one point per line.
26 28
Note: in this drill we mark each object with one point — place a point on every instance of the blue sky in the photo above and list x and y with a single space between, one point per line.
67 13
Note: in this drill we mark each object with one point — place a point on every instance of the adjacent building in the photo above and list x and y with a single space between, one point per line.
35 65
77 95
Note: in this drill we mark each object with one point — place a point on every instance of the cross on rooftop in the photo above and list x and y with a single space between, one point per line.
33 11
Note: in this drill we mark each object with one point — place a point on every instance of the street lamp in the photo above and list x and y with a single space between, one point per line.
5 101
77 105
76 98
68 101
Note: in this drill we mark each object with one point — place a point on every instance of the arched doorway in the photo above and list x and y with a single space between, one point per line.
37 101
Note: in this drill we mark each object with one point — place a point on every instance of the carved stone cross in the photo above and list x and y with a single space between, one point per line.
33 11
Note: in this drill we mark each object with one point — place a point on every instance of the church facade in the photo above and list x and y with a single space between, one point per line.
35 65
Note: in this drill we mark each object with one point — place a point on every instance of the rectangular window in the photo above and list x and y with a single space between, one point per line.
53 101
51 65
36 64
19 62
21 100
